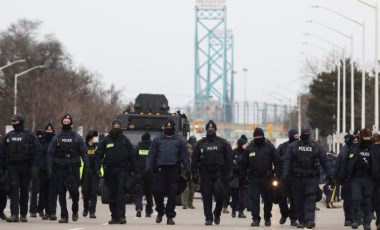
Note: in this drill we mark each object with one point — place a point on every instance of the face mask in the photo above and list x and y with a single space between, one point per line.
169 131
116 130
49 136
17 126
259 141
364 142
211 133
305 137
293 139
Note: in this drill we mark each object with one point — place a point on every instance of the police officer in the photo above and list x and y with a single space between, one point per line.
90 177
143 186
340 173
166 151
234 185
188 194
362 167
44 181
116 153
259 160
22 154
64 158
330 190
286 185
303 161
212 159
3 181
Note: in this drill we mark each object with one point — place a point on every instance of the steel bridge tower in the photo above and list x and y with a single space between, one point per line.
214 80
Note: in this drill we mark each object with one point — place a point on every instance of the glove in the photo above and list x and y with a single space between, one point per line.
188 176
331 180
195 178
35 172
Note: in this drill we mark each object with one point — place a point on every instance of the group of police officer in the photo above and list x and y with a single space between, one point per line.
53 165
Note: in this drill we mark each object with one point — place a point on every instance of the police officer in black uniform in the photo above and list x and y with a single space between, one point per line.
168 149
143 186
3 181
64 159
261 163
362 167
340 173
44 181
116 153
286 185
302 162
212 159
239 186
22 154
90 177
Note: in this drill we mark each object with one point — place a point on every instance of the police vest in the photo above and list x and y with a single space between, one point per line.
20 146
363 165
67 146
212 154
91 150
116 151
306 157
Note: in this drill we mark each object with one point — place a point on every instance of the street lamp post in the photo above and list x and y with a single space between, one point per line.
338 86
375 7
245 70
363 62
12 63
15 87
351 37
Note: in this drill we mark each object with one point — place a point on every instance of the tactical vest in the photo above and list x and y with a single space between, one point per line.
67 146
363 163
116 151
212 155
20 146
306 157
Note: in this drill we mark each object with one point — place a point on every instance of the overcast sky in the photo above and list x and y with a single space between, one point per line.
148 46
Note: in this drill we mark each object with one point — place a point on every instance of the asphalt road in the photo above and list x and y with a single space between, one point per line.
186 219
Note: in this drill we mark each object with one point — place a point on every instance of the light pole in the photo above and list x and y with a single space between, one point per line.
338 87
351 37
375 7
12 63
245 70
363 59
15 87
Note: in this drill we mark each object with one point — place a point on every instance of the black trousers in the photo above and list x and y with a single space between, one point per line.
20 176
287 193
3 200
165 182
66 178
213 184
305 194
115 179
34 188
90 186
362 189
144 188
261 186
43 203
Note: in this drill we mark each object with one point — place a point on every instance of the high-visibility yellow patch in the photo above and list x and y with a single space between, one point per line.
351 155
110 145
143 152
252 154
